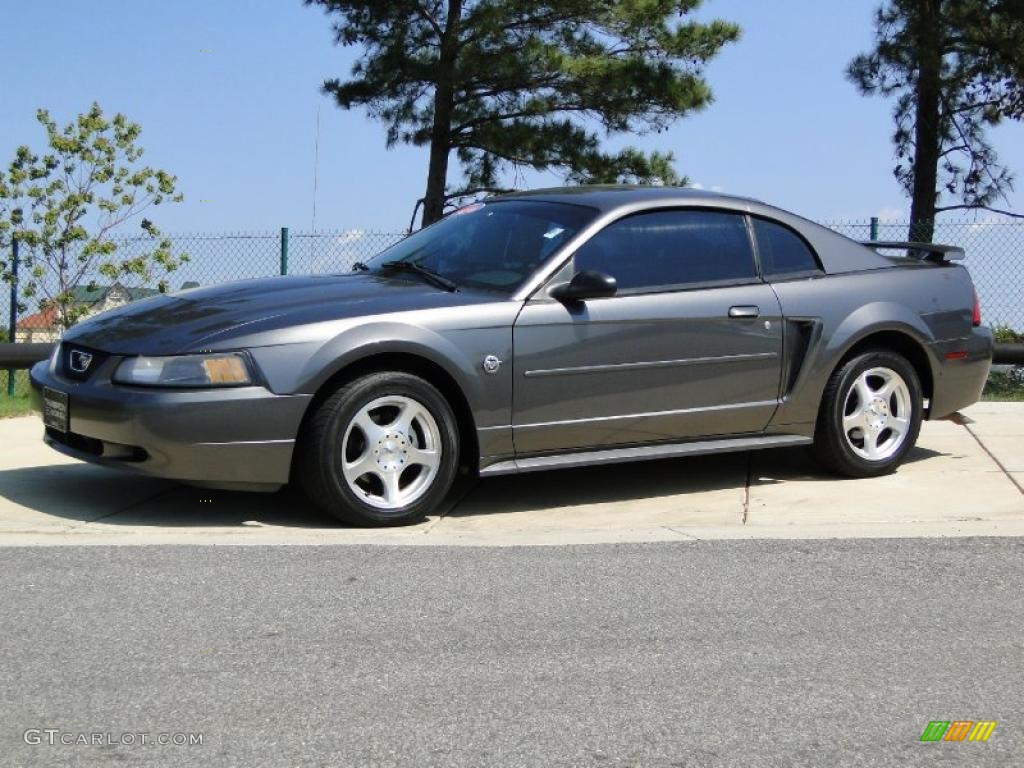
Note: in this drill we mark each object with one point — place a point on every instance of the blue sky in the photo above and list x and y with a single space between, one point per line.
236 123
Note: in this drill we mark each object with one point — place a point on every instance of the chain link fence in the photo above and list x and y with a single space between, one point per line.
995 257
331 252
209 259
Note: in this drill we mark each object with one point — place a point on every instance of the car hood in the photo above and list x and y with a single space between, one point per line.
189 320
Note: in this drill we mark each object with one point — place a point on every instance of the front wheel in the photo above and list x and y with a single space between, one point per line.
381 450
870 415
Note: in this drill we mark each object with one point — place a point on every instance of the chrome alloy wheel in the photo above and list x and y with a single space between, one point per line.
391 452
877 414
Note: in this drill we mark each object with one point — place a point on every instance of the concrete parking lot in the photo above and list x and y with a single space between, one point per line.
965 478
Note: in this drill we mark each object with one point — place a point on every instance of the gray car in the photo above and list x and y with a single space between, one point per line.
549 329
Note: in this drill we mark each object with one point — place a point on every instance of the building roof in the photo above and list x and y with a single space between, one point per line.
90 294
40 321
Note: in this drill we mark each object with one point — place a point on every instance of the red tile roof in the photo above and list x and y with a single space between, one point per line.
39 321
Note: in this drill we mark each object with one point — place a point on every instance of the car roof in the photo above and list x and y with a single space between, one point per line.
608 197
836 252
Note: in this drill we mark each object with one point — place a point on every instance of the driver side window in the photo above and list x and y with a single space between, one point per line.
665 250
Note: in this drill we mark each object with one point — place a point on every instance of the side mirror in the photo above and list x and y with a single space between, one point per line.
584 285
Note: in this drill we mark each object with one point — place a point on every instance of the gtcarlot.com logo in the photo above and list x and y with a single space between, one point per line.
56 737
958 730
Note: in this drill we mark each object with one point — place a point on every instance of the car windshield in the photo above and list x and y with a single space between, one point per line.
489 246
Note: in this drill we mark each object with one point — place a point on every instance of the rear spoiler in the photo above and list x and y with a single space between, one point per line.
924 251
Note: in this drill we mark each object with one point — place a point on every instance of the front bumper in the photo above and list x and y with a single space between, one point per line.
237 437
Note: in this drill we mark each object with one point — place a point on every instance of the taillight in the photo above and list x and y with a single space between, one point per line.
976 319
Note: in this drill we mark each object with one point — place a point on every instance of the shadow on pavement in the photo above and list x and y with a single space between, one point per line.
608 484
81 493
783 464
86 494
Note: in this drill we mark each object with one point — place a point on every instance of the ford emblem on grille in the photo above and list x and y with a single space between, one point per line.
79 361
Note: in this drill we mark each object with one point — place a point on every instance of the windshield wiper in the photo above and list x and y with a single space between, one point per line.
360 267
428 274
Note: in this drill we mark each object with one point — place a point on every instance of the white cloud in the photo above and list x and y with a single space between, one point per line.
891 213
336 254
350 236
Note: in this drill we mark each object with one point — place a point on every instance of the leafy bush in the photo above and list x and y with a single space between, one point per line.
1003 334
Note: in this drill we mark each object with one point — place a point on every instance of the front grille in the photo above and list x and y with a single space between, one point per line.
78 363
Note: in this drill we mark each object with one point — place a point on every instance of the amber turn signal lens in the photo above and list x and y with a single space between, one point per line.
226 370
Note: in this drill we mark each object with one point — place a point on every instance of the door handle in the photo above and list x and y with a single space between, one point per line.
746 311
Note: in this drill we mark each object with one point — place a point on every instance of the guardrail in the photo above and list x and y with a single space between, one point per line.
14 357
17 356
1009 354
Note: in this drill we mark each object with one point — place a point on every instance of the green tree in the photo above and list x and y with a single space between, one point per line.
64 205
955 68
513 83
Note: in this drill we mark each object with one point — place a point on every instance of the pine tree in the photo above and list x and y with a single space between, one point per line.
955 68
517 83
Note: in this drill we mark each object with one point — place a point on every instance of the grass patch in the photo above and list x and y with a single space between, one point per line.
1009 397
1005 385
19 404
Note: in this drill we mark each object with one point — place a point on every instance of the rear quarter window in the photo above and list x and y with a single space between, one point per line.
783 252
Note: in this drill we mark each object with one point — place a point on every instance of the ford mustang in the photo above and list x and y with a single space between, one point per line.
531 331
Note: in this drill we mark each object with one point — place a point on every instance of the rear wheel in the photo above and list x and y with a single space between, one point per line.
382 450
870 415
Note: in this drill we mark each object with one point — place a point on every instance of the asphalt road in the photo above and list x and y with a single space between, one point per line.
756 653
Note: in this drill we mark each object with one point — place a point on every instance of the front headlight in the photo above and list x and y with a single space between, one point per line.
228 369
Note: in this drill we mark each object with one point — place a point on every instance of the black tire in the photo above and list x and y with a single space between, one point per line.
318 462
831 447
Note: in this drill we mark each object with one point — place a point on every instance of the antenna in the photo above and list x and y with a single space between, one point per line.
316 164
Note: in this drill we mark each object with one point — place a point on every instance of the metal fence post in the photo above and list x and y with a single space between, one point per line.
874 228
284 250
14 309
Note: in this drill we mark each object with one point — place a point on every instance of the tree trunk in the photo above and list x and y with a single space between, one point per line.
927 109
441 131
440 149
